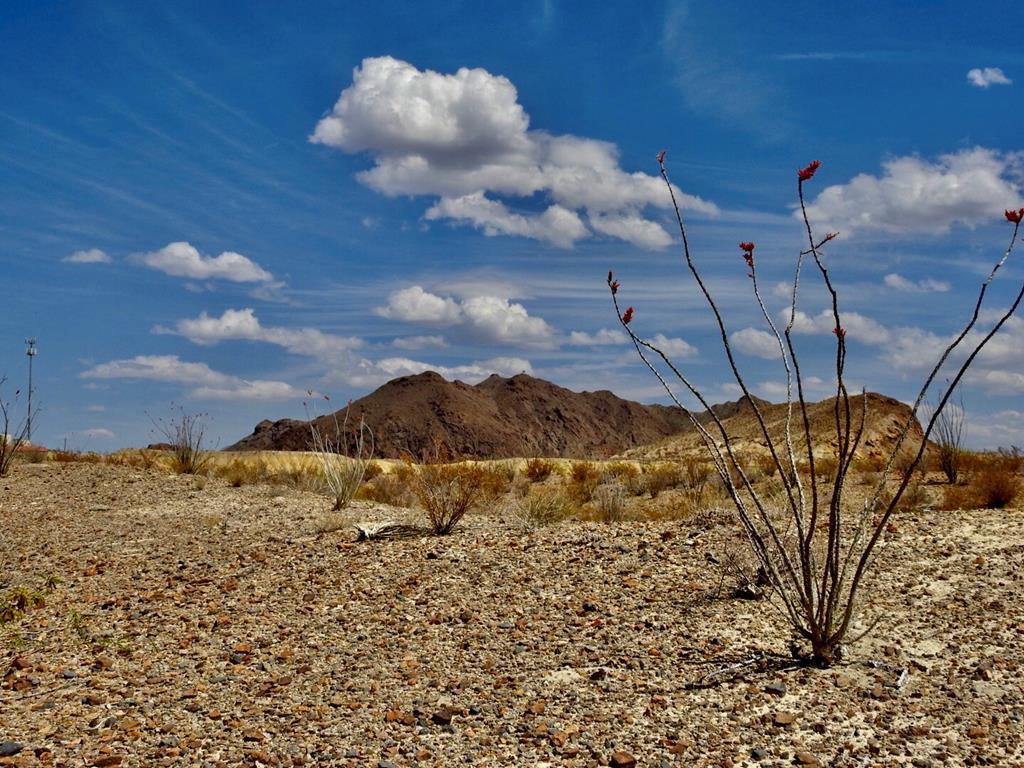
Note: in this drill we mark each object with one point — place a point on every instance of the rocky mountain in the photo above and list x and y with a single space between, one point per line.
524 416
497 418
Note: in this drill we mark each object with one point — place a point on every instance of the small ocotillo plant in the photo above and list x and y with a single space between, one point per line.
186 434
13 433
344 458
949 440
815 550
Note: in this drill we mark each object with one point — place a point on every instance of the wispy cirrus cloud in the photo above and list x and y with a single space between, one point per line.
465 138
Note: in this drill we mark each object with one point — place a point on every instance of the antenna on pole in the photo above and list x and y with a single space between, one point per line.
31 351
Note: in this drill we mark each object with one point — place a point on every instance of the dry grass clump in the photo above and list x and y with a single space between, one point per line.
995 483
661 477
538 470
495 480
541 507
584 478
394 488
239 472
610 502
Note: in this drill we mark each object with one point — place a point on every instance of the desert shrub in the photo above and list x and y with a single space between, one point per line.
995 486
494 482
538 470
392 488
372 470
610 502
241 471
948 438
623 471
868 464
541 507
697 471
13 433
344 458
661 477
446 492
1012 459
825 468
584 477
185 433
765 465
814 556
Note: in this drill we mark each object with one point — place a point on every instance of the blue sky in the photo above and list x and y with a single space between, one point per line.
224 206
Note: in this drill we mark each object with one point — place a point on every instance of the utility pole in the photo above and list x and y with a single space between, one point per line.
31 351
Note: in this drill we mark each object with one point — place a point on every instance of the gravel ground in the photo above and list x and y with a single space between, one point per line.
216 627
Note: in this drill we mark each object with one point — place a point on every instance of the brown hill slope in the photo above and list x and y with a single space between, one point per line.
520 416
884 419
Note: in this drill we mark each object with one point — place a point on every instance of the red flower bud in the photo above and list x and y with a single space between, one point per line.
661 157
615 287
840 332
1015 216
807 172
627 316
747 247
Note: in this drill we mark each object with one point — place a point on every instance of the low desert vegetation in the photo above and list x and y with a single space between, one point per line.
185 433
814 542
538 470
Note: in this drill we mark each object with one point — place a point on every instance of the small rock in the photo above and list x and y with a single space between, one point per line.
620 759
806 758
782 719
977 732
759 753
776 689
443 716
10 748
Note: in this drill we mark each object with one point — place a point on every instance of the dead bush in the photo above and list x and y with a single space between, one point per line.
584 477
447 492
610 502
538 470
661 477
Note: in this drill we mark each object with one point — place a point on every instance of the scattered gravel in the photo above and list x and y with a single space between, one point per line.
215 627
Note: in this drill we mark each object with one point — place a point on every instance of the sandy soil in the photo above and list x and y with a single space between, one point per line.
214 626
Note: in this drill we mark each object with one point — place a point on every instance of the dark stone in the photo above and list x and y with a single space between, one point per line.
10 748
776 689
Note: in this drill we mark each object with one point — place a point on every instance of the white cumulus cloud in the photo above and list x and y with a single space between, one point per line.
243 325
928 285
90 256
490 319
415 305
914 195
603 337
983 77
466 139
205 383
753 341
182 259
373 373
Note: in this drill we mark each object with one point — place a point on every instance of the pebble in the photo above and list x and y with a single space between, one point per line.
10 748
620 759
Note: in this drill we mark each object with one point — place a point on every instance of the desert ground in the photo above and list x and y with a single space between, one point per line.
175 620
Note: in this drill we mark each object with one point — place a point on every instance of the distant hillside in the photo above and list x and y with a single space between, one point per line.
884 420
497 418
526 416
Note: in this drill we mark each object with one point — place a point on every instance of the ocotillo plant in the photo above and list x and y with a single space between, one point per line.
815 549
